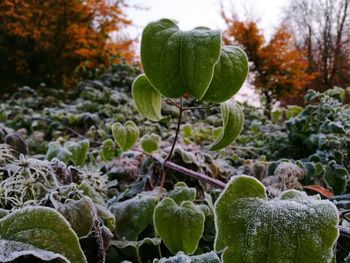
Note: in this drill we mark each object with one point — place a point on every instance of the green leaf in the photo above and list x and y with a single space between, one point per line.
180 227
125 135
12 250
292 228
210 257
147 100
55 150
233 120
149 143
91 192
137 251
108 150
79 214
336 179
182 193
229 75
75 152
79 151
41 228
186 130
175 61
134 215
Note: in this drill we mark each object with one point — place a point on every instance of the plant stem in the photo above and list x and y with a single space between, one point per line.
183 170
173 103
344 231
198 108
171 150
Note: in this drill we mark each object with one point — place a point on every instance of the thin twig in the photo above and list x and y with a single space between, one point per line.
183 170
198 108
173 103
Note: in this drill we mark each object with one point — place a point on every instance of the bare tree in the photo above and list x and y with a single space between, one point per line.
322 29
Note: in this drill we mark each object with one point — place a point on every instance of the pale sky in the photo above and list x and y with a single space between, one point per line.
193 13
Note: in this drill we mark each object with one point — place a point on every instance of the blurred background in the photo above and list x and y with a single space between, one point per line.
292 45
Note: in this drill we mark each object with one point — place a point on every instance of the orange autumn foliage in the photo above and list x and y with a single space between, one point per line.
280 70
45 40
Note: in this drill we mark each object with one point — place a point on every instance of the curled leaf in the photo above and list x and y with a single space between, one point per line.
233 120
147 100
229 75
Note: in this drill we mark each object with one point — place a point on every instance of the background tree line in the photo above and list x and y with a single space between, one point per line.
46 40
310 49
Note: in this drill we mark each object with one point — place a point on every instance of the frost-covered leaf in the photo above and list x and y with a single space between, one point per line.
91 192
106 215
210 257
179 226
148 101
108 150
233 120
55 150
229 75
79 151
291 228
137 251
43 228
75 152
182 193
125 135
336 179
176 61
12 250
79 213
149 143
133 215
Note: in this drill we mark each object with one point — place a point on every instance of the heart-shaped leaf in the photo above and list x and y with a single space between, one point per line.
291 228
175 61
125 135
233 120
182 193
229 75
149 143
75 152
79 151
180 227
147 99
108 151
137 251
40 228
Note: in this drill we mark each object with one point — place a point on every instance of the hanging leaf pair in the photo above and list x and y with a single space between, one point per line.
196 62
